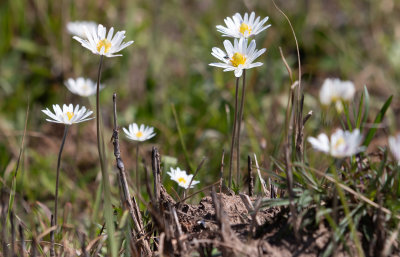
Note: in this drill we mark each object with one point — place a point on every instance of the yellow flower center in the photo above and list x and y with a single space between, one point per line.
139 134
238 59
182 180
244 27
105 43
339 142
70 115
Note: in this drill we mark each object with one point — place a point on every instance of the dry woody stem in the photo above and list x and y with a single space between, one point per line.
129 202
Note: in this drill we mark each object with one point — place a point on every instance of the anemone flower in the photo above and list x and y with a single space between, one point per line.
138 134
341 144
184 180
239 27
237 57
97 42
68 115
100 43
82 86
335 91
394 145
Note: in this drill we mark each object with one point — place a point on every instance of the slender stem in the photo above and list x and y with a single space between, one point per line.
137 169
233 133
108 214
98 106
54 217
58 174
239 127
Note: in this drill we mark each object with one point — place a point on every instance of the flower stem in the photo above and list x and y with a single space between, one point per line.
107 208
233 133
239 127
137 169
58 173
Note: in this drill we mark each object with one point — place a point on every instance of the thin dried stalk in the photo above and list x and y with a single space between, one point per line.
12 234
155 164
179 233
250 175
221 174
130 201
22 248
147 182
52 251
263 184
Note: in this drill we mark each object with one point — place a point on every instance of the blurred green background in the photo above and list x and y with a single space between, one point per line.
168 65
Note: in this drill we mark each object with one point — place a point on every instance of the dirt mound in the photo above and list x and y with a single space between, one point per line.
228 223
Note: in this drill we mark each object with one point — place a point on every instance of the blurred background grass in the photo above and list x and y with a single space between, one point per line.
168 65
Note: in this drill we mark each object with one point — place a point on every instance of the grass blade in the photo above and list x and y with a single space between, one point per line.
378 119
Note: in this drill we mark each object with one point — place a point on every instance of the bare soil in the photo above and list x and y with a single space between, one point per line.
235 233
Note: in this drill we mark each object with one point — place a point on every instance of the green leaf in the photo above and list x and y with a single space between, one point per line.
378 119
366 106
275 202
360 109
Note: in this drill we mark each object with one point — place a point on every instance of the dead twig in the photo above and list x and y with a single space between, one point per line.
22 248
179 233
129 201
250 175
263 184
221 174
155 157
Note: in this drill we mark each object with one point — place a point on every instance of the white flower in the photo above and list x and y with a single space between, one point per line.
68 115
238 27
139 134
336 91
394 145
238 56
76 28
98 43
81 86
341 144
182 178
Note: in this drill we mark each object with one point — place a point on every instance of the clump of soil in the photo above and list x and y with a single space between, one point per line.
224 221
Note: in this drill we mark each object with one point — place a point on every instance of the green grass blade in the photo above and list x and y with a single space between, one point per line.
347 114
14 179
378 119
366 108
360 109
181 138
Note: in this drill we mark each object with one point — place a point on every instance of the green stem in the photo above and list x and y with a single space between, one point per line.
58 173
347 115
107 208
181 137
233 132
137 169
239 128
